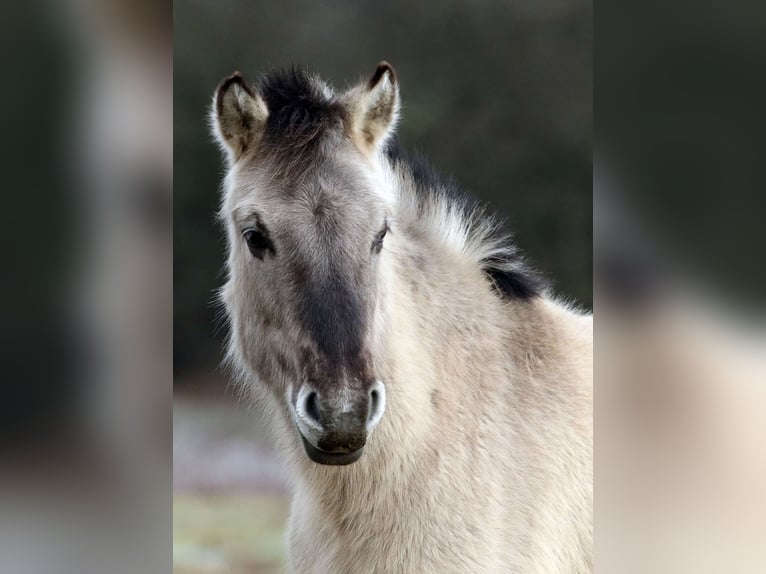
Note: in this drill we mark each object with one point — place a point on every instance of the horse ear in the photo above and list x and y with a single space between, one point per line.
239 116
374 109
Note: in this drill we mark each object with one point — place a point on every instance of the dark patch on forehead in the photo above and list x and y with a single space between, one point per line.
333 315
299 111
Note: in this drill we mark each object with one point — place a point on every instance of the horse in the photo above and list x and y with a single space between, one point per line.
431 397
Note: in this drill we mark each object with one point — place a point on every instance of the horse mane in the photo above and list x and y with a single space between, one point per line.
302 107
465 222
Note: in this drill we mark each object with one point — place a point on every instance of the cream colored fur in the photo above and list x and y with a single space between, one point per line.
482 462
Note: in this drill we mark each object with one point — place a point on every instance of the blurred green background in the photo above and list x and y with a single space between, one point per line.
496 93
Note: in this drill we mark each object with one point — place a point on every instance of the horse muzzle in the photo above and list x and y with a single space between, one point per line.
334 426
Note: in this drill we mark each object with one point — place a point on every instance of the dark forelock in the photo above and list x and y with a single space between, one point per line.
299 111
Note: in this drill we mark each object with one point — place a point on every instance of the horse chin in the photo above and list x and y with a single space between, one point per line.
330 458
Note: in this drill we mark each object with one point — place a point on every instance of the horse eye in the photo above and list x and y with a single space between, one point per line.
258 242
377 245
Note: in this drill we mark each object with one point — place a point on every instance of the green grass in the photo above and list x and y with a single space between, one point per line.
228 533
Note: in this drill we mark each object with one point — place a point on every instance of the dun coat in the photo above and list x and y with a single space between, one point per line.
433 401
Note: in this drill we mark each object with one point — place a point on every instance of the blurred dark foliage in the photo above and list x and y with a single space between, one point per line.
80 490
37 388
679 124
497 94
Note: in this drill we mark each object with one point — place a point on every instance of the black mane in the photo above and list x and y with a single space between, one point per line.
508 271
298 108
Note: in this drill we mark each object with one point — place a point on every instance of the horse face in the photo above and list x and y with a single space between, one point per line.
303 290
307 220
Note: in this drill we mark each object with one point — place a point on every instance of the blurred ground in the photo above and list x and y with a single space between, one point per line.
230 499
232 533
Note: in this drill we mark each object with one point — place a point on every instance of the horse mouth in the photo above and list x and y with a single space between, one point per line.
330 458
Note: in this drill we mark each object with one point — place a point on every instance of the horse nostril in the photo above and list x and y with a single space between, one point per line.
374 402
377 405
310 406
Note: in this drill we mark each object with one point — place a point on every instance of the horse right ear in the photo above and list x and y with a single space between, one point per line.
239 116
373 109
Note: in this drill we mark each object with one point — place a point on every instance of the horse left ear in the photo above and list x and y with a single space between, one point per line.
373 109
238 116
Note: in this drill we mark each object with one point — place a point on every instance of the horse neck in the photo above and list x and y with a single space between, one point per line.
441 325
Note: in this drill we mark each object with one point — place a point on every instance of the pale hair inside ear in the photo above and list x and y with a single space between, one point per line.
239 116
373 109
